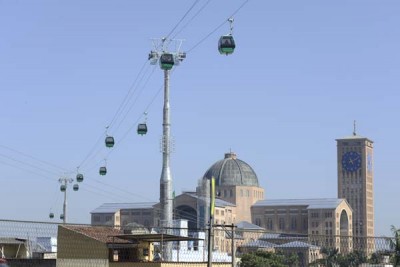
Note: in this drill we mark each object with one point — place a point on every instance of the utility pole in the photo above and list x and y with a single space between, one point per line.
210 229
167 61
64 185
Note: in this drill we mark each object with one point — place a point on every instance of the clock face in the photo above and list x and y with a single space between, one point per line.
351 161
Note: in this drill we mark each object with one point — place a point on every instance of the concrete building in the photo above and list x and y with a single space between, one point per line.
323 219
355 156
120 214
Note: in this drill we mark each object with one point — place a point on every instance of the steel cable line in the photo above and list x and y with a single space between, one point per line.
184 16
30 171
28 164
91 151
192 18
137 97
130 129
34 158
118 113
122 105
218 27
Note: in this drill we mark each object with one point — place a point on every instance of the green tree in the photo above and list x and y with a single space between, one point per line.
330 258
354 258
395 245
267 259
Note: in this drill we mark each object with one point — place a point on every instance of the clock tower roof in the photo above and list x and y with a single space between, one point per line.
354 137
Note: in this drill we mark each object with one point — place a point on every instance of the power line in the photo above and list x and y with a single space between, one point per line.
122 105
218 27
184 16
34 158
192 18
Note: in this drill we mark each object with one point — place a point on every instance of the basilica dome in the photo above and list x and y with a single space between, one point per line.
232 172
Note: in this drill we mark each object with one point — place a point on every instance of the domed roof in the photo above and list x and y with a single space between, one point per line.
232 171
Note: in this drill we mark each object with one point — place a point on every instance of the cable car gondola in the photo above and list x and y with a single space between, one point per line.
79 177
167 61
226 44
109 141
103 170
63 188
51 215
75 187
142 128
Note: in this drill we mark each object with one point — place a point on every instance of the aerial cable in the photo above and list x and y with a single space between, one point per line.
30 171
184 16
97 193
120 108
129 96
91 151
137 97
34 158
146 111
218 27
118 113
191 19
28 164
134 125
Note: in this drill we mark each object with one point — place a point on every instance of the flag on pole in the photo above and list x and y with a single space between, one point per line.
212 192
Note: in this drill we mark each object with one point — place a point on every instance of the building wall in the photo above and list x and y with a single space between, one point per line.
357 187
102 219
18 251
322 223
82 262
244 198
143 216
73 245
282 219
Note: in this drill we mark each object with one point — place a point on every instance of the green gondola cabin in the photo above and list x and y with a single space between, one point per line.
79 177
167 61
226 44
109 141
103 171
142 129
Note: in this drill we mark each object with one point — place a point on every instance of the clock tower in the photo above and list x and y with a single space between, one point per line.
355 184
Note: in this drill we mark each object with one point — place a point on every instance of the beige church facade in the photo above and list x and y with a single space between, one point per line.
240 197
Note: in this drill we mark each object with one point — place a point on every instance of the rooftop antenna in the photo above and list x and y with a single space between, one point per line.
167 60
354 128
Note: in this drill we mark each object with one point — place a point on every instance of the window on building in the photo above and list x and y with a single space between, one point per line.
231 193
96 218
269 224
258 221
281 223
293 224
314 214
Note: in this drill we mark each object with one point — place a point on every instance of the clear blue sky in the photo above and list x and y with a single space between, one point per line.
301 73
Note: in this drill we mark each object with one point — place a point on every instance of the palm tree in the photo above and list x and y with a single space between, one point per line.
395 245
330 259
